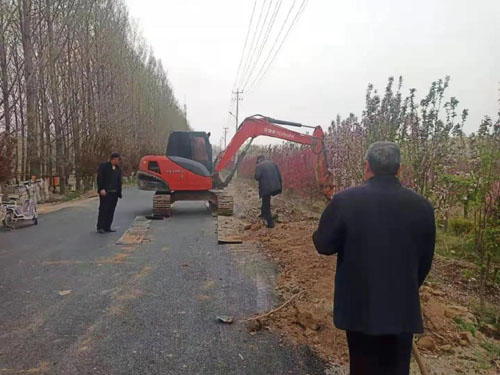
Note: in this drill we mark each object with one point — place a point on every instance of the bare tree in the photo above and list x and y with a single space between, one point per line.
78 81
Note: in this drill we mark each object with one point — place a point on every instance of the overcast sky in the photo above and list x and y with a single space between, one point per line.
335 49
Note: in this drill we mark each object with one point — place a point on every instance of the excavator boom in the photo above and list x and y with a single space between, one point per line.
257 125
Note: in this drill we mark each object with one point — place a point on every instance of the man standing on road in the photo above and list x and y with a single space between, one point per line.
384 236
109 187
269 177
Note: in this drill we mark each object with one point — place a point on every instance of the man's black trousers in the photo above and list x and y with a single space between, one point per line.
107 205
379 355
266 209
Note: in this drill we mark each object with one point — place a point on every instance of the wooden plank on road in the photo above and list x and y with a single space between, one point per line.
228 230
136 233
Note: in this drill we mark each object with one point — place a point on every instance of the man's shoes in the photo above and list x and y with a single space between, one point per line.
102 231
270 225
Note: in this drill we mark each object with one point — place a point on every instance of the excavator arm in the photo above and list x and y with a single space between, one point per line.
258 125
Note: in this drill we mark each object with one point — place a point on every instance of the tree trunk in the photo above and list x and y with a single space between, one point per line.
54 97
45 125
30 83
3 67
485 270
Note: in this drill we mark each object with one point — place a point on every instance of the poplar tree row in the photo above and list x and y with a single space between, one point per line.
77 82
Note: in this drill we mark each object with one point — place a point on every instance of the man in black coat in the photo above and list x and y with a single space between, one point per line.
109 187
269 177
384 236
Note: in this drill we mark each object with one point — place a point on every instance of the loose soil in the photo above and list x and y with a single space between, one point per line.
446 296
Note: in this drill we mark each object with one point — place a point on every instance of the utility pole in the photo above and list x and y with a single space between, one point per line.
225 136
238 98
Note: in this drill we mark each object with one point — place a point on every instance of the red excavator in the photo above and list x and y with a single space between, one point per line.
188 171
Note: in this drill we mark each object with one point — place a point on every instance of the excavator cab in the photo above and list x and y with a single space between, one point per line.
192 151
187 165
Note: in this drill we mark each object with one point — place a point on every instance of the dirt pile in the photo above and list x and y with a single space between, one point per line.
308 319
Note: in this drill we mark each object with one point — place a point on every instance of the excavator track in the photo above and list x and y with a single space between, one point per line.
225 203
162 205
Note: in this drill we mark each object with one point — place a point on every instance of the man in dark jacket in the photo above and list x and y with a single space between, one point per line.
269 177
384 236
109 187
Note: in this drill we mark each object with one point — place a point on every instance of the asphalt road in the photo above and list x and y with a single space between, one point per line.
146 309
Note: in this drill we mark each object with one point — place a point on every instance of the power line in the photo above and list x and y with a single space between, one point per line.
258 80
245 44
252 44
266 37
257 47
299 13
277 37
249 28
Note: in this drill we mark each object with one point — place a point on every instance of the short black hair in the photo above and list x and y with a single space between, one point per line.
115 155
260 158
384 158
